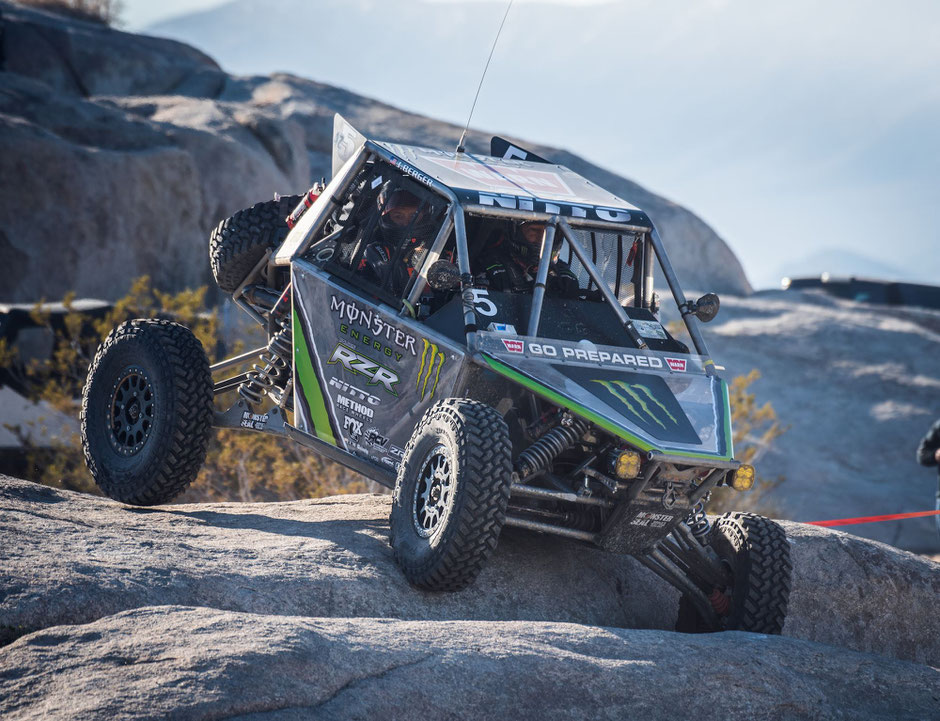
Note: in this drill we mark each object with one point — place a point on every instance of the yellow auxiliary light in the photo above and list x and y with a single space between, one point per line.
743 478
627 464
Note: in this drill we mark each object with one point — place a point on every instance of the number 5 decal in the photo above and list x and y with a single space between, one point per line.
481 303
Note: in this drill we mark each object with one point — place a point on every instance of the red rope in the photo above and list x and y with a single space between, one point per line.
872 519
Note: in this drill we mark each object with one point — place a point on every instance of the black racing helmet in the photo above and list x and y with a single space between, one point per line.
527 241
401 210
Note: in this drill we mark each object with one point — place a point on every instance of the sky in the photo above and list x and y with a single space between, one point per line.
806 134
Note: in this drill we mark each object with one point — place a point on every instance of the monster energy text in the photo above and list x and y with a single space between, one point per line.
378 329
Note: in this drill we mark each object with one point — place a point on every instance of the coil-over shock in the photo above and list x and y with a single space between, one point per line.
697 521
273 369
540 455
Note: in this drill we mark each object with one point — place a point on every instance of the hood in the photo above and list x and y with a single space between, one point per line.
655 401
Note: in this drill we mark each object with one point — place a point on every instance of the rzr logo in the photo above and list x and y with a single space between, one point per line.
514 346
676 364
361 365
432 355
640 401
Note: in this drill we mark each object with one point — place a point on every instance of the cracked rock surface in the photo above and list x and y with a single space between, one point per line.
72 558
185 662
284 610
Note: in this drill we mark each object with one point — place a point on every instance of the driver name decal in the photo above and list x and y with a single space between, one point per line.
364 366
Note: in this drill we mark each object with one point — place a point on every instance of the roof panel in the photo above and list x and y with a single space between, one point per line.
487 174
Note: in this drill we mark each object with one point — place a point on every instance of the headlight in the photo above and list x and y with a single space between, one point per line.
743 478
626 464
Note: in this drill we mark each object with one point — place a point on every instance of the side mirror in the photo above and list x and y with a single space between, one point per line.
443 275
706 307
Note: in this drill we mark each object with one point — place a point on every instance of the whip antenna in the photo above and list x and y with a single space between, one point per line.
463 135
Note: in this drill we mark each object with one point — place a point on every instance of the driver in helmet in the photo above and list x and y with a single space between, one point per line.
401 238
512 263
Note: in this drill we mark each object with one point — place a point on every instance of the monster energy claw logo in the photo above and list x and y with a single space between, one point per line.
639 400
431 355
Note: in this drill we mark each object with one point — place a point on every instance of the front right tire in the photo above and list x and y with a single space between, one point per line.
756 551
451 494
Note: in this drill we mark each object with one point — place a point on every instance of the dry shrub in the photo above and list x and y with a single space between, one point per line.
755 428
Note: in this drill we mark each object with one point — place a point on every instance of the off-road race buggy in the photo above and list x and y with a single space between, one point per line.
580 416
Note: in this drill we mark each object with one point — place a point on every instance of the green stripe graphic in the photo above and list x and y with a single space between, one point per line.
309 385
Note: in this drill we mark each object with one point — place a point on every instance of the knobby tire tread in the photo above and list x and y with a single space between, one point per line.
239 242
764 607
171 470
483 441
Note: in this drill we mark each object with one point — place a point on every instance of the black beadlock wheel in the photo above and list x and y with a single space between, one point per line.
147 412
756 551
238 243
451 494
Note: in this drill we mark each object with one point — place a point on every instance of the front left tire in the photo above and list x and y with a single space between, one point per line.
451 494
147 412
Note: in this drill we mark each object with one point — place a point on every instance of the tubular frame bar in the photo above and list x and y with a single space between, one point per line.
731 465
433 254
657 562
541 276
711 480
344 458
517 522
691 322
235 360
714 573
647 272
256 316
602 286
524 490
334 189
466 279
227 384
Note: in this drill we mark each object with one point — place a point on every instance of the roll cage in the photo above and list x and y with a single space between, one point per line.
563 209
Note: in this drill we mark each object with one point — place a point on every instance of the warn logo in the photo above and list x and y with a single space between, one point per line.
514 346
676 364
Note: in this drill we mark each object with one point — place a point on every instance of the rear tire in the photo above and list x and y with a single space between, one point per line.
756 551
147 412
238 243
451 494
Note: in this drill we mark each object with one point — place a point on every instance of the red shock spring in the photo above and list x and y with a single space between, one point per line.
720 602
